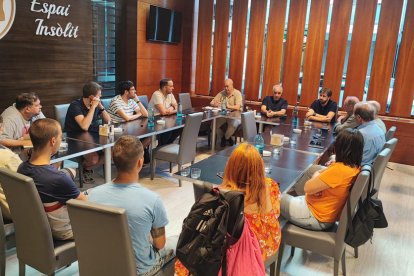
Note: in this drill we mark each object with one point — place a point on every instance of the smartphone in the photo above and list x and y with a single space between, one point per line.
220 174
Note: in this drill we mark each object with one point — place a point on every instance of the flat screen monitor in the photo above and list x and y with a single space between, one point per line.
163 25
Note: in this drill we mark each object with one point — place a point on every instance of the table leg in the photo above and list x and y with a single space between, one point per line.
108 153
260 127
213 136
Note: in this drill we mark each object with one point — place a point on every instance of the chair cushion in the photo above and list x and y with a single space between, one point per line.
322 242
167 153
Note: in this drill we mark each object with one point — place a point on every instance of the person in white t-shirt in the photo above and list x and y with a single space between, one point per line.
164 103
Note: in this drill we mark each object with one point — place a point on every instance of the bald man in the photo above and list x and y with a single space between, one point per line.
348 120
234 100
274 105
374 137
377 120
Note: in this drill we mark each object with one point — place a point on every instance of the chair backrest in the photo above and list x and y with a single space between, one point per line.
248 125
144 100
60 113
185 100
391 144
188 139
106 102
355 194
103 242
379 166
34 243
390 133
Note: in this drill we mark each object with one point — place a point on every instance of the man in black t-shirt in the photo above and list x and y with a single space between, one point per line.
323 109
274 105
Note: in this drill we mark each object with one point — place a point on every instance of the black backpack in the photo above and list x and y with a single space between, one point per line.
204 237
369 215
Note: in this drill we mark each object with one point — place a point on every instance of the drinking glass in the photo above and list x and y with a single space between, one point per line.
195 173
185 171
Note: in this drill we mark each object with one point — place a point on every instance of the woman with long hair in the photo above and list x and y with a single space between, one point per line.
245 172
327 190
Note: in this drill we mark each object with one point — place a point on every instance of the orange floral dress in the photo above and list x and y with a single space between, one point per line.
265 226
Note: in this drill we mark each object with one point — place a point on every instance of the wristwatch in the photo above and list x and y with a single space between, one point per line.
102 110
137 101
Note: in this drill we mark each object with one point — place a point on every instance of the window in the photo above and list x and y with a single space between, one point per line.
104 53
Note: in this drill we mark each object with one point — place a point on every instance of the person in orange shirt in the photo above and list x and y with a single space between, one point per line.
328 189
245 172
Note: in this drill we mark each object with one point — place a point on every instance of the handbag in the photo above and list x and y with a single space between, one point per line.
369 215
244 257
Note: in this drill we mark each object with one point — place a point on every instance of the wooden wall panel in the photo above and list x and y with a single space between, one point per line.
255 49
187 57
238 39
385 46
157 60
403 94
360 48
293 50
54 67
338 38
205 19
274 46
318 19
220 45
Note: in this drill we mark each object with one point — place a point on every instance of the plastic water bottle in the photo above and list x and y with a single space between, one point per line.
259 143
151 116
179 111
295 113
224 106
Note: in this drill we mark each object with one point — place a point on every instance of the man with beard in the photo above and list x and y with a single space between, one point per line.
275 105
323 109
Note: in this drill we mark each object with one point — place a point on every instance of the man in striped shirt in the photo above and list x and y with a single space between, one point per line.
126 106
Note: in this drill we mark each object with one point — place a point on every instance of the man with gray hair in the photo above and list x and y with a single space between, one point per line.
374 137
274 105
377 120
348 120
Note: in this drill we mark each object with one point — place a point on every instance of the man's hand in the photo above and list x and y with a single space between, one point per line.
95 102
269 113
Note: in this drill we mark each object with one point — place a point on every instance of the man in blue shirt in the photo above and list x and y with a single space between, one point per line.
374 137
274 105
147 217
323 109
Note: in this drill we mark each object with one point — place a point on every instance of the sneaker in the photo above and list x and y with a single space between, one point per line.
223 142
87 177
230 142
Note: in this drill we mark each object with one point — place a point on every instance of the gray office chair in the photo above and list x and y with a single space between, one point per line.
103 242
7 241
391 144
185 100
248 124
34 244
379 166
144 100
390 133
184 152
329 243
60 113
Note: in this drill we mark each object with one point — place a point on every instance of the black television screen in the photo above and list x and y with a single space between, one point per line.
164 25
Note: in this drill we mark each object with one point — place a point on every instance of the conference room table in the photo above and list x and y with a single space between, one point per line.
285 165
80 143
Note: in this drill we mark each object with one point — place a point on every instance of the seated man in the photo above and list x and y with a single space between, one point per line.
374 136
377 120
83 115
323 109
164 103
275 105
55 187
126 106
147 217
17 119
348 120
233 101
